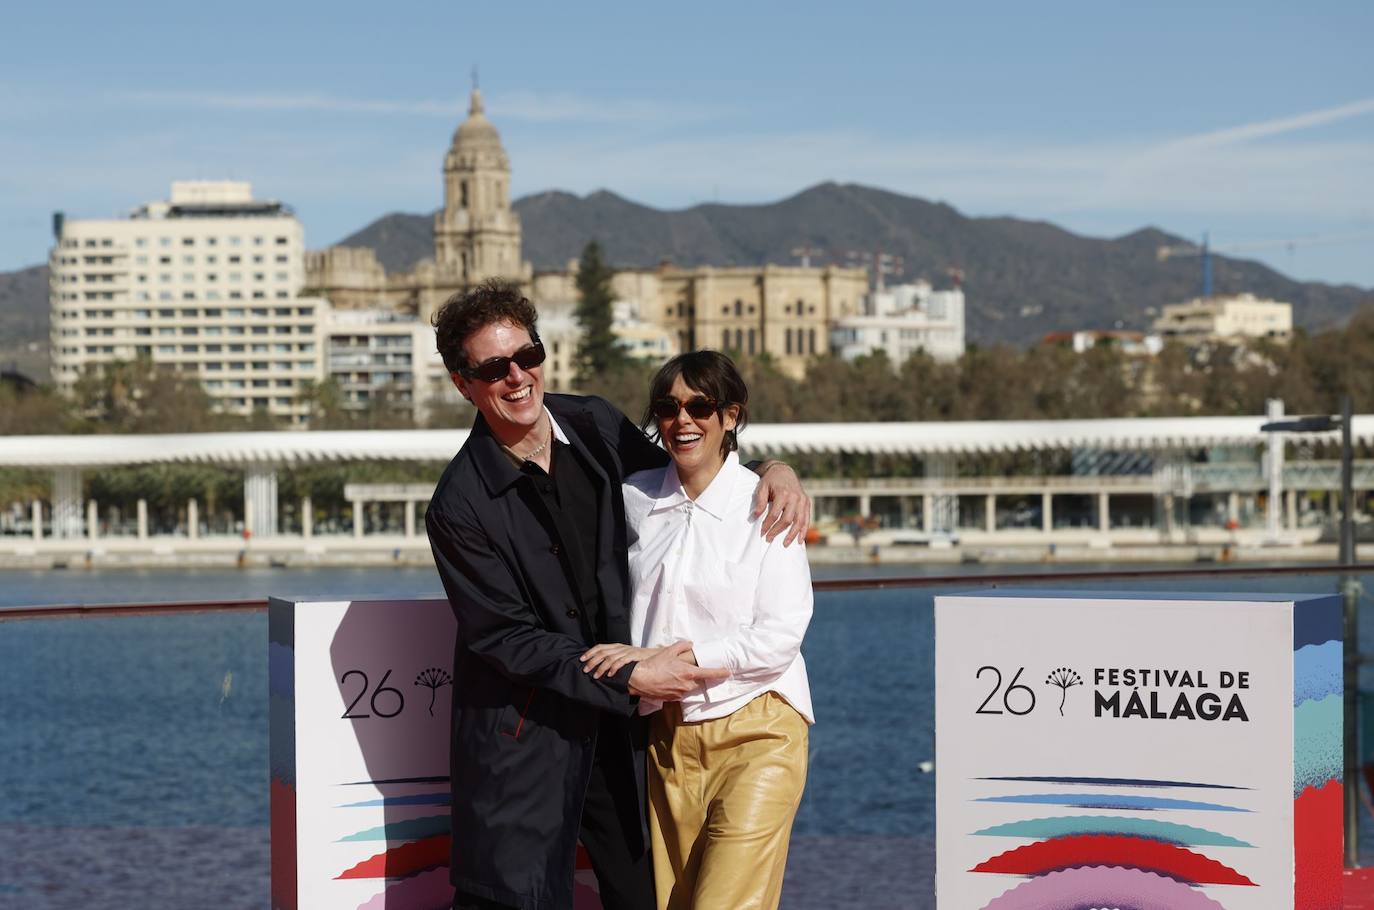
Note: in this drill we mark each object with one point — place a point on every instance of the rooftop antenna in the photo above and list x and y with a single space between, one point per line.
475 86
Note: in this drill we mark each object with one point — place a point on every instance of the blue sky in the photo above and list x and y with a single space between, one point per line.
1254 121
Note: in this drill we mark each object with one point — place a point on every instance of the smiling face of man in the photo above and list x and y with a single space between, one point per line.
513 404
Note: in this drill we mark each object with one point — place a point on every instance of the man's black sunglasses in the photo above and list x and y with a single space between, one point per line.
698 408
497 368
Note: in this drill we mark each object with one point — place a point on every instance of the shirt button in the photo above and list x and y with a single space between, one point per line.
573 614
554 549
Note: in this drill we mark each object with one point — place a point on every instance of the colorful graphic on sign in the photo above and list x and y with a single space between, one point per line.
1144 751
360 705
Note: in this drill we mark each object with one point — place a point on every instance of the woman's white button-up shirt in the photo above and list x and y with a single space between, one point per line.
701 571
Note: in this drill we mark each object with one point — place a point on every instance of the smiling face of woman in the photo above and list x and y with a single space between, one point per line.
696 445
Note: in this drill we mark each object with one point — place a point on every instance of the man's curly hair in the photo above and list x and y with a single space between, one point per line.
468 311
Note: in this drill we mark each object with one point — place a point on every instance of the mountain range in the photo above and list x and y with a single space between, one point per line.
1021 278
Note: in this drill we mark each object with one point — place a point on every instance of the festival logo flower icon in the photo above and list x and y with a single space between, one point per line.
1063 677
432 678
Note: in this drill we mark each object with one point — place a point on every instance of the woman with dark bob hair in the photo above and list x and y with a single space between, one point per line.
727 764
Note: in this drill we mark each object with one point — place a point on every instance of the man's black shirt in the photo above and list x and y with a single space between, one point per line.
569 494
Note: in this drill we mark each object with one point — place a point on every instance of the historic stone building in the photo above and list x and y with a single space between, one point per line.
782 311
476 235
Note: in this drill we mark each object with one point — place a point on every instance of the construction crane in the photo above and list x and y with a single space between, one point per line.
1204 250
805 252
882 264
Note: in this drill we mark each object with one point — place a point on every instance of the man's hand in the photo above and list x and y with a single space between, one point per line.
668 676
609 658
789 508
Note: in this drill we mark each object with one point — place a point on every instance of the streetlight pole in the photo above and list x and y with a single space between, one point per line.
1350 595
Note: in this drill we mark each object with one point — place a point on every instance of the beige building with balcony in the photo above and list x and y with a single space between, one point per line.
1232 318
782 311
206 282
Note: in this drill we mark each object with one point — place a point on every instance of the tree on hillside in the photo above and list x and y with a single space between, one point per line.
599 352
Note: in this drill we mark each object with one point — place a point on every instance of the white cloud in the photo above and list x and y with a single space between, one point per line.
1264 128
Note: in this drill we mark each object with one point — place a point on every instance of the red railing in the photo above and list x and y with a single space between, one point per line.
56 611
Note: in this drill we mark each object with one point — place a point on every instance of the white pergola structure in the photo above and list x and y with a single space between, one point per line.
261 454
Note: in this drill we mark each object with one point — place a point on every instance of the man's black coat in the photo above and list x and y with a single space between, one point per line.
525 716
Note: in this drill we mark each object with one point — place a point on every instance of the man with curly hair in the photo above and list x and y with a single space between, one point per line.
527 526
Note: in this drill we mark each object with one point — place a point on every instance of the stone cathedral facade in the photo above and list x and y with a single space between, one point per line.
783 311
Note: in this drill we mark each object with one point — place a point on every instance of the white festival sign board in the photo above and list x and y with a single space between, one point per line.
1138 750
361 693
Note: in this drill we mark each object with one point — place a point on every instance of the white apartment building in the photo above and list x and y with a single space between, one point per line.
1226 318
561 335
644 340
206 282
370 353
902 320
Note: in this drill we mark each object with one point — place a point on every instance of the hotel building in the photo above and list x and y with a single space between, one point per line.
205 282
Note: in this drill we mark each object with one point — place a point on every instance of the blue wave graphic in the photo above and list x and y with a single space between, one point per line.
1317 672
1317 753
1068 826
415 799
1108 801
408 830
1116 782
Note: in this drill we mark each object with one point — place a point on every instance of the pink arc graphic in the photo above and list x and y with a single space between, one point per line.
1102 886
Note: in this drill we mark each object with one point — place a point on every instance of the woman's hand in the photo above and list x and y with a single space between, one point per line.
789 508
609 658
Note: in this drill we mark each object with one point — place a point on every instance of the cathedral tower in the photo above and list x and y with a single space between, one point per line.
477 236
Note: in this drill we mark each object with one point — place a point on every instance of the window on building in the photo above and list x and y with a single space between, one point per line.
725 339
739 307
787 341
811 340
739 340
281 241
751 341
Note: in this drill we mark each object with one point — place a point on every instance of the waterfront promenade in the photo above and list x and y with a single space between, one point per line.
1156 489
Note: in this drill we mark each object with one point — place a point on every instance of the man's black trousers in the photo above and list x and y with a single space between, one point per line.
610 820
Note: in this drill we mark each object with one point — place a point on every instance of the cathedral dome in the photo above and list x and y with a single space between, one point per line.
477 131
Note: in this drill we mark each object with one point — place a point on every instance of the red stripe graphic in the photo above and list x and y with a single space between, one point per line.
1113 850
404 860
